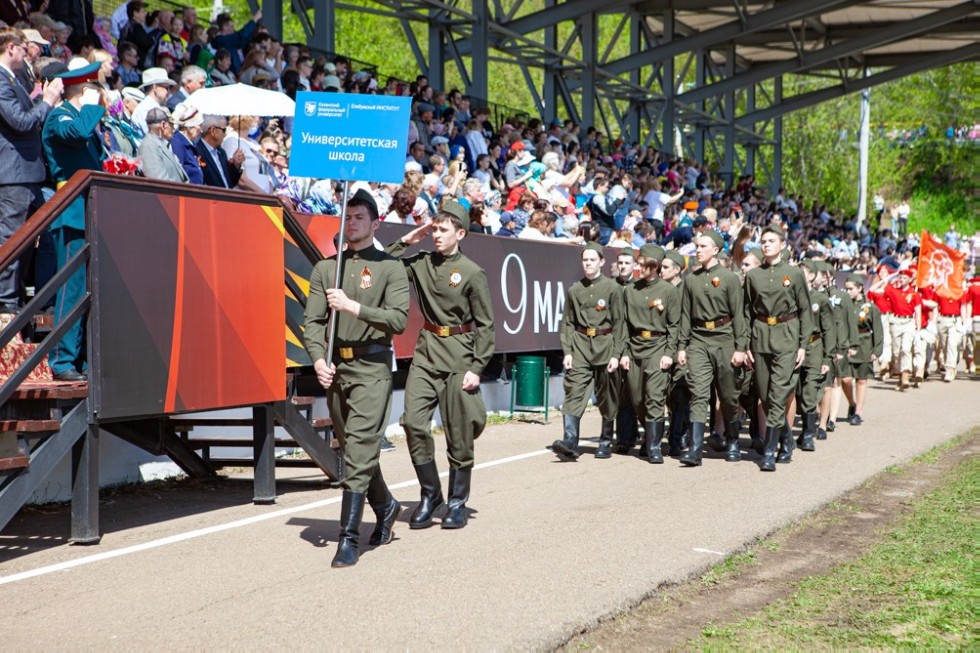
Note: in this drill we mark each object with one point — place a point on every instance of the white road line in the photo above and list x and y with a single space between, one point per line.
210 530
699 550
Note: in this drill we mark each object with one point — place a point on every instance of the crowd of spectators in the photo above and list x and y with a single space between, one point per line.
524 178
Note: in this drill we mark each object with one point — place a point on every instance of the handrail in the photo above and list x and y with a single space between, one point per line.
83 180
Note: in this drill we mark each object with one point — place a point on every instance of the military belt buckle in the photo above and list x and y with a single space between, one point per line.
347 353
590 332
646 334
710 325
772 321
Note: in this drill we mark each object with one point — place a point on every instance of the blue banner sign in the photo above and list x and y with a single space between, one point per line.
349 136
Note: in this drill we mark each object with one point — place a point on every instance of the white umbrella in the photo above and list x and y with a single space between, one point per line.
242 100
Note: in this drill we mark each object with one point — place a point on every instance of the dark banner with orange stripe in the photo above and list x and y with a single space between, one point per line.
188 308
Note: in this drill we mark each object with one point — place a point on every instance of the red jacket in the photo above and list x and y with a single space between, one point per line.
902 302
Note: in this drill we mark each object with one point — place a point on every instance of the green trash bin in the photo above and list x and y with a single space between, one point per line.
529 391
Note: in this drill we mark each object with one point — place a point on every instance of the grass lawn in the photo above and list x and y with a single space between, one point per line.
917 588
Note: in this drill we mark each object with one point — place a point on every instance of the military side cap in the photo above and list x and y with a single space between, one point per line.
774 230
656 252
811 264
364 197
676 258
715 238
628 251
856 279
457 210
595 247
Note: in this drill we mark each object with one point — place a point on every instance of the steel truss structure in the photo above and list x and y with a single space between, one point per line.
702 76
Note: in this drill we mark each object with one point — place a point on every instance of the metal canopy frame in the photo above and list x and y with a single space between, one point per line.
736 53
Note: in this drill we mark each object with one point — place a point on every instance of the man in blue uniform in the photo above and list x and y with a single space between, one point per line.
71 142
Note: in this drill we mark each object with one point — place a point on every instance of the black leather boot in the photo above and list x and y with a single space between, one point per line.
567 447
770 443
674 448
732 452
693 456
786 444
351 512
385 508
605 440
626 430
655 433
431 495
805 441
459 494
717 442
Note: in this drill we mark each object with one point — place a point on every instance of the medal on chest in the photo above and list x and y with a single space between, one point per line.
715 281
787 282
656 303
455 278
366 278
600 305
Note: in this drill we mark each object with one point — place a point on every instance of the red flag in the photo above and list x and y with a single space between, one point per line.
940 267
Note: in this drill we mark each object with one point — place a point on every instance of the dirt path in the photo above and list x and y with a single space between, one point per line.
769 569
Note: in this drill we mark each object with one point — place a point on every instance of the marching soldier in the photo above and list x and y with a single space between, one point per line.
678 395
777 303
906 306
820 348
748 397
652 315
867 346
626 431
841 303
712 343
371 305
454 346
593 339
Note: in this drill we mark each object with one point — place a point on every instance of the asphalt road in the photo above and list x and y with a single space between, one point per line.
550 549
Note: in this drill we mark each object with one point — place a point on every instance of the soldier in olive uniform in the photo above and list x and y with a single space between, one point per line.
712 344
371 305
869 344
678 395
820 348
71 142
778 305
748 397
652 316
840 368
593 339
454 346
626 430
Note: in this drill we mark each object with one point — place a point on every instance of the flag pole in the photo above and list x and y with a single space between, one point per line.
332 332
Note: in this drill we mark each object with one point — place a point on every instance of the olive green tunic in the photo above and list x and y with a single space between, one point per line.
866 319
592 304
776 291
846 330
820 350
451 291
710 295
359 399
653 319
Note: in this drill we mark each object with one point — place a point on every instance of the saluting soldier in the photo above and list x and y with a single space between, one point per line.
652 315
712 344
778 306
840 369
71 142
593 339
371 305
821 344
867 346
454 346
626 431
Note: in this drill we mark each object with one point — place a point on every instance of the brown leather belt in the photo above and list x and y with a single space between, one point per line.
350 353
647 335
446 331
773 320
711 325
592 332
814 338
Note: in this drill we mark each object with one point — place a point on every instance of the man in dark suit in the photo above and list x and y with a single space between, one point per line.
21 164
218 171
